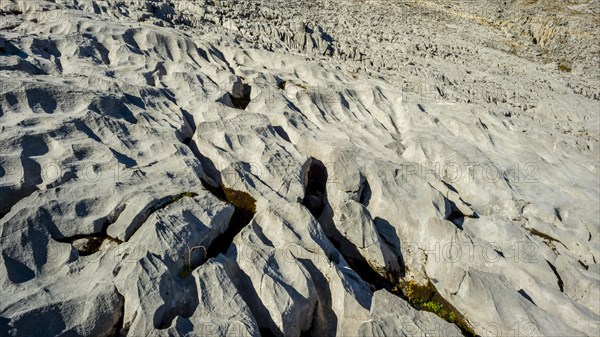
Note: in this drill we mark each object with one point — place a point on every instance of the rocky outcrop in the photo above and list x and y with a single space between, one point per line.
242 168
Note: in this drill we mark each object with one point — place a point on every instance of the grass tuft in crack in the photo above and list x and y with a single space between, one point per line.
181 196
426 297
186 271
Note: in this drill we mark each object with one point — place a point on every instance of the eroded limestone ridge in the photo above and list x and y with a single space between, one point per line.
299 168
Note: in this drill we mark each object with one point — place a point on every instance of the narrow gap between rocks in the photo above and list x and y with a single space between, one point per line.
121 321
545 237
526 296
245 208
427 297
241 101
94 241
315 189
559 280
244 204
364 193
315 200
455 215
420 297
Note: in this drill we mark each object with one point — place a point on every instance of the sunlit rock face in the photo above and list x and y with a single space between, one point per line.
299 168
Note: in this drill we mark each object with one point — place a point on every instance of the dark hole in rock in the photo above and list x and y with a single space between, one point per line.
315 187
454 215
450 187
265 332
526 295
427 297
241 101
17 271
4 324
557 213
245 208
315 200
120 330
559 280
364 193
88 244
281 133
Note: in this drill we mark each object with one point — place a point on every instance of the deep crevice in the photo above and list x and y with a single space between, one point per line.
559 280
324 320
95 240
360 265
315 187
315 200
139 220
119 331
526 296
546 239
241 102
455 215
242 281
429 299
557 213
281 133
244 209
364 192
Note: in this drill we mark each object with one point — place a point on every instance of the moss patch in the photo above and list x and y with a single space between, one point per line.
535 232
186 271
426 297
181 196
547 239
240 199
564 67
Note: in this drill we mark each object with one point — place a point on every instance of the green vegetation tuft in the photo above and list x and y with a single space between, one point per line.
564 67
426 297
186 271
183 195
535 232
240 199
92 246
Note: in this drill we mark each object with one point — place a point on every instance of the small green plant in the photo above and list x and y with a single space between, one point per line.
564 67
535 232
240 199
186 271
439 310
183 195
173 199
426 297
